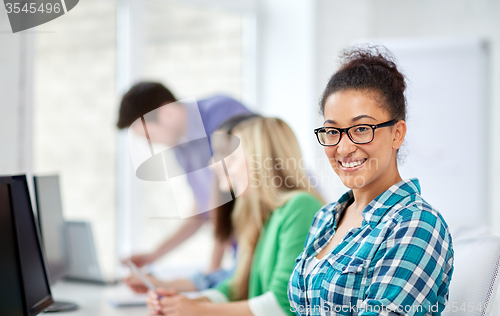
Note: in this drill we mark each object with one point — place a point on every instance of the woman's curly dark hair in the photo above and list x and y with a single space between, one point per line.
370 68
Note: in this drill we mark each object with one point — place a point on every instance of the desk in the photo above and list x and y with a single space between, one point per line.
92 299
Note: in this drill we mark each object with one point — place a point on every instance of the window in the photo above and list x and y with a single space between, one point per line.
74 111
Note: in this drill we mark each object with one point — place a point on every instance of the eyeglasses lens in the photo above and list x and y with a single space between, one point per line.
359 134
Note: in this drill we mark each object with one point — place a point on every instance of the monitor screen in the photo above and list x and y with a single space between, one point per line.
35 281
52 226
11 302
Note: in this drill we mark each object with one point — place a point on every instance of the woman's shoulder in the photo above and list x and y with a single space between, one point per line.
303 198
301 204
417 212
404 202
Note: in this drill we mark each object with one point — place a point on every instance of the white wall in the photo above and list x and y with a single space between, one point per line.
342 22
286 66
445 144
15 99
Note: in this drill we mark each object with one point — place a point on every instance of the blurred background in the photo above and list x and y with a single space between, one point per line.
61 84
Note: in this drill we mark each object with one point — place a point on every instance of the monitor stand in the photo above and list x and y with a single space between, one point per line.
60 306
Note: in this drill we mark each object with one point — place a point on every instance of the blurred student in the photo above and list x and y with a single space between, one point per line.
169 124
381 249
222 220
271 219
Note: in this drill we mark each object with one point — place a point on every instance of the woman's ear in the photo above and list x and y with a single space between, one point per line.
399 134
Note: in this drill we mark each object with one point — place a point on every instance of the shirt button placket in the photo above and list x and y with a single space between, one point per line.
303 284
306 300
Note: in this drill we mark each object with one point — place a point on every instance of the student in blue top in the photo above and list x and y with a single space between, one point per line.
170 123
381 249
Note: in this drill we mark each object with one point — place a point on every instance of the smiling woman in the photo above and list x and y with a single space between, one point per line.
380 249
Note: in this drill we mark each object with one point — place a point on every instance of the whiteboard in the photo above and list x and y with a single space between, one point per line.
447 139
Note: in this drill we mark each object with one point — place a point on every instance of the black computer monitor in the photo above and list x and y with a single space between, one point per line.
25 289
54 233
52 226
11 290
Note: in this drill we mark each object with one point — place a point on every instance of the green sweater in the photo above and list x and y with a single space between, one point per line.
280 242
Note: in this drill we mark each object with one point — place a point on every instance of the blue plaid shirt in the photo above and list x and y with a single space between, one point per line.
399 262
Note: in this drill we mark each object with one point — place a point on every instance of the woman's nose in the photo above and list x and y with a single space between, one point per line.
345 145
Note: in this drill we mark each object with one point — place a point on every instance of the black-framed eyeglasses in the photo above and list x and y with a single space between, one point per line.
358 134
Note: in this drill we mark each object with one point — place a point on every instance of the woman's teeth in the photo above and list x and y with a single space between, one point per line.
352 164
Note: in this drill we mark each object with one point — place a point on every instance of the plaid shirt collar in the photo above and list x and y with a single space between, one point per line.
376 209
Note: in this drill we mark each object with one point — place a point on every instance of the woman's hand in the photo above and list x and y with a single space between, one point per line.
181 306
153 301
169 302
